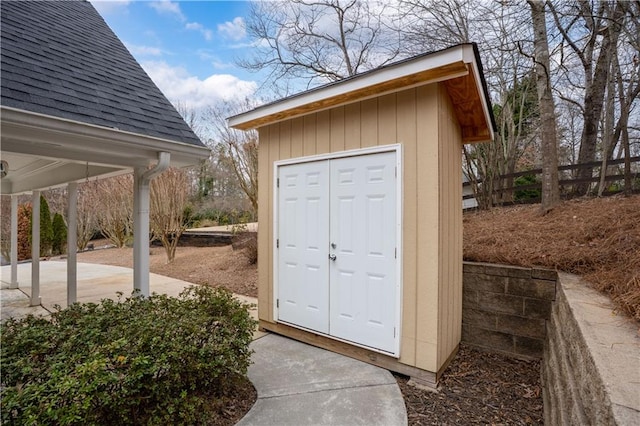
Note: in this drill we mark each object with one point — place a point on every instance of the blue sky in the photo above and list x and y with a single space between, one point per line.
187 47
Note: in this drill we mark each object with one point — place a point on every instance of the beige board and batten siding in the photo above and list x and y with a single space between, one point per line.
432 237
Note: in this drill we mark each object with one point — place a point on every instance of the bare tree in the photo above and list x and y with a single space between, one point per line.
550 191
433 24
319 41
87 213
590 31
114 202
192 116
503 32
236 149
168 199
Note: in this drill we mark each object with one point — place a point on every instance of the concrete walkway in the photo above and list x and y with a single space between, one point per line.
297 384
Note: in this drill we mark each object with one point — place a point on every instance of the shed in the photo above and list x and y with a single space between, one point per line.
76 105
360 220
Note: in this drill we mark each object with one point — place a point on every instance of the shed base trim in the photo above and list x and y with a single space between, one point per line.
423 377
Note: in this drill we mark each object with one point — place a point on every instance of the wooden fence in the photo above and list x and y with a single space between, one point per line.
567 181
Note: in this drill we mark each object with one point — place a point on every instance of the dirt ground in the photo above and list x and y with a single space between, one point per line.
596 238
477 387
214 266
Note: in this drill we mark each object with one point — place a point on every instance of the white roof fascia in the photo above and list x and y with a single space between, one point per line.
95 137
392 72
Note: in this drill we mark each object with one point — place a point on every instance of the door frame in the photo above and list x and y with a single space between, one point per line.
397 149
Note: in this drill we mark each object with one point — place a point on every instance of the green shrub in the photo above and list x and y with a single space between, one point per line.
526 194
46 230
59 241
156 360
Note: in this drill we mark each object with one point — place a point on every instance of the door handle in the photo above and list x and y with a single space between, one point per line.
332 257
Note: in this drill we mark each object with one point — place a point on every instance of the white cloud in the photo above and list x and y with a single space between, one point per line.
138 50
196 26
178 85
235 30
168 7
105 7
219 65
216 61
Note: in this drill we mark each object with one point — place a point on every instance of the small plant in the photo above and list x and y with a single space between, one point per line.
156 360
59 241
526 194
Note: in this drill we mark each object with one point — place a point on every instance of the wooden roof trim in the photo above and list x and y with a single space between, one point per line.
360 94
428 68
458 68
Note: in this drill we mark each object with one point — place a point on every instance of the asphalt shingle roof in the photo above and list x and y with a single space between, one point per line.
61 59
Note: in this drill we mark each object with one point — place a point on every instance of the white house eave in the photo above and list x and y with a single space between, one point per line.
394 72
99 140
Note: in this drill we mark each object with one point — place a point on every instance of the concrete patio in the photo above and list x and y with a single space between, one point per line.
95 282
297 384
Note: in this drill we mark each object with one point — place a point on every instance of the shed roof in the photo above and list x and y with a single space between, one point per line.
61 59
458 67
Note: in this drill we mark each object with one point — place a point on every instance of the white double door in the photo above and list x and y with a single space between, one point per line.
337 222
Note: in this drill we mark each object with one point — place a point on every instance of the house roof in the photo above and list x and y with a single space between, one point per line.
75 103
59 58
458 67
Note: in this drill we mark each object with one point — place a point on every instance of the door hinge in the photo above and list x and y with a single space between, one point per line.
395 252
278 305
395 171
394 332
278 243
278 183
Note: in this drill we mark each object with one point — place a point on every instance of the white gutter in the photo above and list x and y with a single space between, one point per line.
141 181
92 133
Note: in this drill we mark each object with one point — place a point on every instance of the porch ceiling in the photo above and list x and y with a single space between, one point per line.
43 151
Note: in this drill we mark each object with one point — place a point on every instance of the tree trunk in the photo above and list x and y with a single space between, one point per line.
594 98
550 191
607 132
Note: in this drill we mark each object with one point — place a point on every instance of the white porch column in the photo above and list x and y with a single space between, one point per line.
14 242
140 232
141 180
35 249
72 244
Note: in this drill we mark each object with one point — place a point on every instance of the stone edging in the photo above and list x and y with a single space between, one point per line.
591 363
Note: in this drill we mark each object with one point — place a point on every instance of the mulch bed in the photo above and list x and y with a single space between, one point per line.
229 412
479 388
597 238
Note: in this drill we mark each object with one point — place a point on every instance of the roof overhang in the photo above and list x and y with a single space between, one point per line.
44 151
458 67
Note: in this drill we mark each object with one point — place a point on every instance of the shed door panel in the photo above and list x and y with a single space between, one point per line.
363 239
344 207
304 232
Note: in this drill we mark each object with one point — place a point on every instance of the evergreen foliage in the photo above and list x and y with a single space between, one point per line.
156 360
59 228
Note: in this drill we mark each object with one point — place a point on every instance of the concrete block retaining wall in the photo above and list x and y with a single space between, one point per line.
506 308
590 356
591 362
